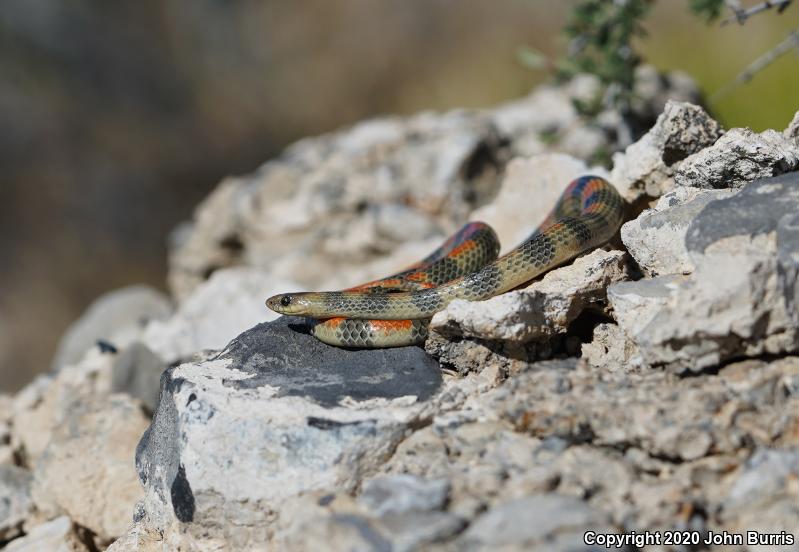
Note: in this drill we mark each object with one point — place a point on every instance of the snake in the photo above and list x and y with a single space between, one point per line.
396 310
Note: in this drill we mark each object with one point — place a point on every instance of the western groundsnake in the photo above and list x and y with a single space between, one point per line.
396 310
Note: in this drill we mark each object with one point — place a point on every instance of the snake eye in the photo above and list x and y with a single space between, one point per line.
285 300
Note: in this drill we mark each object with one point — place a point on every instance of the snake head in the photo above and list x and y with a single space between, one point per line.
288 303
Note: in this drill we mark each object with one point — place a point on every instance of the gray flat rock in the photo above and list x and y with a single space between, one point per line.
275 414
756 210
282 354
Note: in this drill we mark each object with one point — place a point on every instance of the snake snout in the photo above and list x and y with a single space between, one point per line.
288 303
279 303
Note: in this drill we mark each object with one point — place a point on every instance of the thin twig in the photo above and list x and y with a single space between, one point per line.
791 42
742 15
737 10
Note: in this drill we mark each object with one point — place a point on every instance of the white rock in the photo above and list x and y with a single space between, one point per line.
763 494
656 239
554 110
736 301
548 521
137 373
320 198
645 167
766 474
788 262
43 404
6 413
544 308
609 350
738 157
346 533
118 317
400 494
141 539
228 303
86 471
54 536
635 304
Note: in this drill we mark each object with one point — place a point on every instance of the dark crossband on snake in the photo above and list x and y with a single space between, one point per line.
396 310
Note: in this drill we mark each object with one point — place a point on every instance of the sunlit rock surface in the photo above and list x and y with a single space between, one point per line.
525 420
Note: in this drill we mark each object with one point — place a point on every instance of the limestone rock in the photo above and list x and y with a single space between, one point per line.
321 205
542 309
646 166
764 476
548 120
560 404
465 356
542 522
54 536
142 539
792 131
356 531
788 263
636 304
98 494
47 401
277 413
137 372
33 410
15 500
532 463
400 494
401 512
656 239
228 303
609 350
655 411
338 532
618 443
735 303
117 317
764 493
738 157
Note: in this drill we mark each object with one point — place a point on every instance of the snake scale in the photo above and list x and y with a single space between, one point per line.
395 311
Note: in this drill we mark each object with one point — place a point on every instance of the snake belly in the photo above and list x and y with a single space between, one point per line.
395 311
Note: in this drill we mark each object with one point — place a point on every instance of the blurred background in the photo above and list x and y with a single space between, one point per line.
118 117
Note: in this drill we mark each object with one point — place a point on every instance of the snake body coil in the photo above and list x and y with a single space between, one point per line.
395 311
